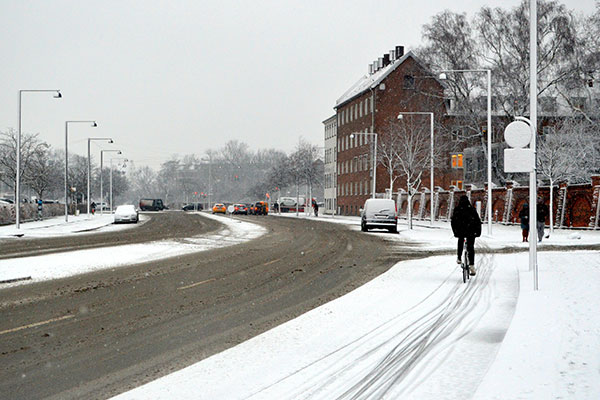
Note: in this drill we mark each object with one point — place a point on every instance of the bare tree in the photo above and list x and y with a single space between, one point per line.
413 153
46 171
30 145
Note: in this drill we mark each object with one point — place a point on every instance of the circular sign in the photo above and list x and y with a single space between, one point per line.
517 134
230 209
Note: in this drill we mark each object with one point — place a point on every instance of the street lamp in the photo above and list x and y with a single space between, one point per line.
111 180
489 136
18 175
67 162
431 156
101 167
374 156
90 168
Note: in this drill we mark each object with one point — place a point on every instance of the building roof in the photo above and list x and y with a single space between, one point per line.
368 82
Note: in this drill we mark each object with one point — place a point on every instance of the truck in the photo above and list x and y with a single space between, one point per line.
152 205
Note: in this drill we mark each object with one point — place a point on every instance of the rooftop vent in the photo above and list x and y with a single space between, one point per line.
399 51
392 55
386 60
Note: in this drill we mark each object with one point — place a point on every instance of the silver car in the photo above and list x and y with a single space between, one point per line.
126 213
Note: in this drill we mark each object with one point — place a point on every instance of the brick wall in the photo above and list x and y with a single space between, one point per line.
574 206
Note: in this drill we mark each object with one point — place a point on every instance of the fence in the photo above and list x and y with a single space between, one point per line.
574 206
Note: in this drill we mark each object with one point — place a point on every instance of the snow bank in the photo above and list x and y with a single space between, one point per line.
59 265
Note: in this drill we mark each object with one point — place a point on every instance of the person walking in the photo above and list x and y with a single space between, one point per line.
40 211
542 213
524 216
466 223
315 206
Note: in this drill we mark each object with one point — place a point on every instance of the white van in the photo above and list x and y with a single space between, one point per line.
379 214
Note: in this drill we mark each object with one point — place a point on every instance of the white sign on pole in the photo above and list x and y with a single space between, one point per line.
518 159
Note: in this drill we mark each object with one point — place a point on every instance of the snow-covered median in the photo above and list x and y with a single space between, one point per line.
70 263
56 226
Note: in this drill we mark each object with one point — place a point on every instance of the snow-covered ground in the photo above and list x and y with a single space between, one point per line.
58 265
418 332
56 226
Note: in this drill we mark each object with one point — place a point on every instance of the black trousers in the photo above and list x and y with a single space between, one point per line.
470 248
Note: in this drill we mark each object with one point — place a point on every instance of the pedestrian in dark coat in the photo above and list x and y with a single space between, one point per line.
466 223
542 213
524 216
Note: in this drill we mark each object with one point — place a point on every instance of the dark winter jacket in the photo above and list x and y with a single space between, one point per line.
465 220
524 216
542 212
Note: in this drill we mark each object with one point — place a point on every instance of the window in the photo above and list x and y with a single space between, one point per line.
458 184
409 82
457 160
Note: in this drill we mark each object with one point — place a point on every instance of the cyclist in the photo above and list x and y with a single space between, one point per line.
466 224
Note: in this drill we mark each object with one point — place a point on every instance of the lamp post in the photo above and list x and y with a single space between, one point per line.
489 136
431 156
111 180
89 169
67 162
101 167
18 174
374 156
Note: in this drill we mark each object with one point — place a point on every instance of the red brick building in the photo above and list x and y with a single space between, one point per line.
396 83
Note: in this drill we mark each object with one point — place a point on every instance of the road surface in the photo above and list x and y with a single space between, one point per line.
99 334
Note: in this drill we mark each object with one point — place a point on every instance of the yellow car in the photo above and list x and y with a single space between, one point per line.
219 208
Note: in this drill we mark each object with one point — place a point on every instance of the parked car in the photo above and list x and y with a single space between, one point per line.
193 207
381 214
240 209
219 208
6 200
152 205
288 204
126 213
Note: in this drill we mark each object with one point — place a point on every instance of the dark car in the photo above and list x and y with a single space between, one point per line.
240 209
152 205
193 207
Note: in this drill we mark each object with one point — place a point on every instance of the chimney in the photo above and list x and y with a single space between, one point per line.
399 51
386 60
392 55
380 62
370 69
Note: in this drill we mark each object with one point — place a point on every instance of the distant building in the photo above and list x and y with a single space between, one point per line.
330 162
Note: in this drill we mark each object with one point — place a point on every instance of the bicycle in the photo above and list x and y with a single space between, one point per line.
464 262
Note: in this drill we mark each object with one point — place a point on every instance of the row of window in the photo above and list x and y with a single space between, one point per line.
357 164
347 142
355 111
329 181
330 156
330 130
361 188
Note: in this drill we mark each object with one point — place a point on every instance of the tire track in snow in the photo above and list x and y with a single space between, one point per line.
391 358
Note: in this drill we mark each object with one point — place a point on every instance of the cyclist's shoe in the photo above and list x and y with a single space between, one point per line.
458 261
472 271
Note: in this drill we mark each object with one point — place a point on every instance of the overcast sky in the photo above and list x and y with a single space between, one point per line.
167 77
